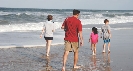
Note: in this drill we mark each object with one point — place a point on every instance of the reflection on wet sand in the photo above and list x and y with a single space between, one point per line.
106 62
101 63
47 66
94 63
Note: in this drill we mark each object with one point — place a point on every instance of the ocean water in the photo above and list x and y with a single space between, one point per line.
22 26
25 19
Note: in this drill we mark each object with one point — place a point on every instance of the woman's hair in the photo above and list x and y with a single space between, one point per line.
94 29
106 20
49 17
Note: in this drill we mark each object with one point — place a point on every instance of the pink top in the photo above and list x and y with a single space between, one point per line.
94 38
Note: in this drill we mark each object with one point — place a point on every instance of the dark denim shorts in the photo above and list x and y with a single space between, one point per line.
106 40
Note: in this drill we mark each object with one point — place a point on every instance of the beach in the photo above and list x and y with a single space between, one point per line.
34 59
22 49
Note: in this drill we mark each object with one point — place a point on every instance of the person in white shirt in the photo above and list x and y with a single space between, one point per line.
48 29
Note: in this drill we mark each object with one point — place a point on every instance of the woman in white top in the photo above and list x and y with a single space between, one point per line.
48 30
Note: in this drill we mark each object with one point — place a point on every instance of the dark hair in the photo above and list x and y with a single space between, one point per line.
49 17
106 20
94 29
75 12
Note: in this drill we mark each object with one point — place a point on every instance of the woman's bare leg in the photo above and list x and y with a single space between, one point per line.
48 46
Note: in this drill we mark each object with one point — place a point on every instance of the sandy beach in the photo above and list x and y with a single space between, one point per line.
34 59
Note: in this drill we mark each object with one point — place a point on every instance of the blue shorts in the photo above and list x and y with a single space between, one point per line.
106 40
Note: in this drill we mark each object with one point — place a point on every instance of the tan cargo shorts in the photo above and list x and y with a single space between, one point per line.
71 46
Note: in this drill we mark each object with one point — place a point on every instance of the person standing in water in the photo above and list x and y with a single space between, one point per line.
72 27
48 29
106 34
94 39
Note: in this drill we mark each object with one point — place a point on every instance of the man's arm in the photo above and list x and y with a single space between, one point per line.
81 38
80 33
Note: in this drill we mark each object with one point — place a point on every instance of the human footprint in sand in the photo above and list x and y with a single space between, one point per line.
72 27
106 34
94 39
48 30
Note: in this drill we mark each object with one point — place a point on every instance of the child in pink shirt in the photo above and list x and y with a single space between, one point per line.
94 39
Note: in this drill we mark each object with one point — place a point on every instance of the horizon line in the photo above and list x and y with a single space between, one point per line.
61 8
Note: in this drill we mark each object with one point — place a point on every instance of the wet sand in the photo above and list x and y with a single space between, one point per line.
34 59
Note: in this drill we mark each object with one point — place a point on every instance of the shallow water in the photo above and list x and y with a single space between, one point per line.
34 59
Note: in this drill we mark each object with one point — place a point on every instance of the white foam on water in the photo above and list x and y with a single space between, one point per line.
39 26
26 27
87 17
100 20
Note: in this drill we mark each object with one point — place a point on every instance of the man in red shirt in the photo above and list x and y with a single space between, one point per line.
72 27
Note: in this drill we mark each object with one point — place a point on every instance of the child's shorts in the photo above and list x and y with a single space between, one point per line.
106 40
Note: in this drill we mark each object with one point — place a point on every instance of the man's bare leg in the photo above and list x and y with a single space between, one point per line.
76 59
48 46
65 59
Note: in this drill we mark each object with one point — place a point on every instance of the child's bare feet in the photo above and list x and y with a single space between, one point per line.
93 53
108 51
103 51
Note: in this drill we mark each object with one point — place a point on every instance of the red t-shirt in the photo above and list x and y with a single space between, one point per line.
72 26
